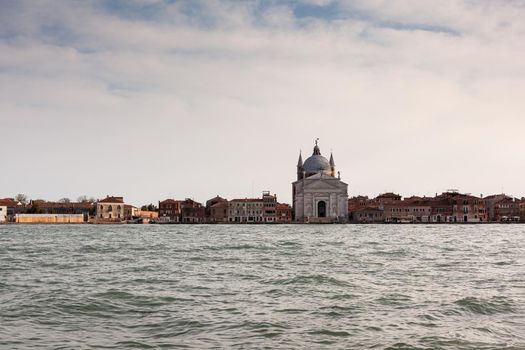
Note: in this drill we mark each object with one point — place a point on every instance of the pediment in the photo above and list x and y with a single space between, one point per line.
322 185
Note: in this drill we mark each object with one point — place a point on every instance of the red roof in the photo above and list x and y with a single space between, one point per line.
167 201
112 200
56 205
247 200
409 204
8 202
219 204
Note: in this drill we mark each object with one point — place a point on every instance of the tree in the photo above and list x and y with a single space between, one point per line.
22 198
64 200
34 209
149 207
83 199
86 199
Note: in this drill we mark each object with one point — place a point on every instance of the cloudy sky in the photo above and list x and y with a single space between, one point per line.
157 99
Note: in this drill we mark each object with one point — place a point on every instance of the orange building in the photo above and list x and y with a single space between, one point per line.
283 213
407 211
462 208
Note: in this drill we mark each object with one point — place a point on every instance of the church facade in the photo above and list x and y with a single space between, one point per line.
318 195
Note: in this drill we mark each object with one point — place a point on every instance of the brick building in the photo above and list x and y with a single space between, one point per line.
283 213
507 210
79 208
410 210
192 212
388 197
367 214
452 206
170 211
217 210
522 209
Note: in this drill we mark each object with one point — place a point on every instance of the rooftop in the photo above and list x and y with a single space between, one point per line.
109 199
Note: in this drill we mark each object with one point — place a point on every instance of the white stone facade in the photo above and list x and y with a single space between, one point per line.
319 196
3 213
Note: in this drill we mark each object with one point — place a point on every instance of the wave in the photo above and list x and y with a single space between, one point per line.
495 305
312 280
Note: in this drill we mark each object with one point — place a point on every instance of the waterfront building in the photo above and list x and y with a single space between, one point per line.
283 213
192 212
452 206
490 202
145 216
12 208
217 210
522 209
441 211
367 214
507 210
247 210
358 203
411 210
387 198
170 211
130 211
318 195
80 208
3 211
502 208
110 209
269 208
133 213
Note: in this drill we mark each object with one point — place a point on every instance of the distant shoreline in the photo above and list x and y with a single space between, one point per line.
262 223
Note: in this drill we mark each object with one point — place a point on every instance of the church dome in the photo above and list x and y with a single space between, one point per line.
316 163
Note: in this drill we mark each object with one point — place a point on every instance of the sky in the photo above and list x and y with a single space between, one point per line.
182 99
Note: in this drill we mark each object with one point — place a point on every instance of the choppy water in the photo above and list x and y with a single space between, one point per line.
354 287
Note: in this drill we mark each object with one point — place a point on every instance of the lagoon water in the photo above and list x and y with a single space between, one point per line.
317 287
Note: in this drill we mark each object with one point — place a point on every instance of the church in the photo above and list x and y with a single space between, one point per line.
318 195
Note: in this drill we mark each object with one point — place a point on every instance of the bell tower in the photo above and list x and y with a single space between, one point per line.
300 167
332 164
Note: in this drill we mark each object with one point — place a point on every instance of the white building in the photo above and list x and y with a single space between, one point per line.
248 210
3 212
318 195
